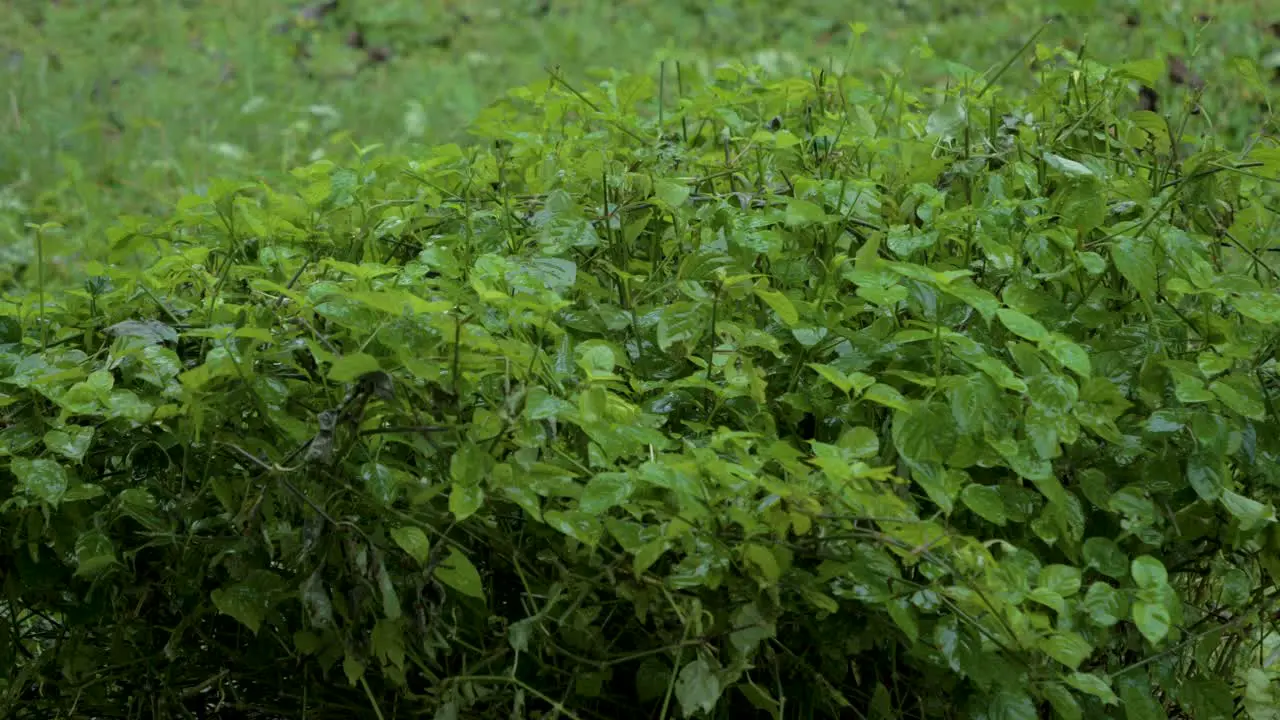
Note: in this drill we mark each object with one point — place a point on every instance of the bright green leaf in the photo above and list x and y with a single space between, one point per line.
413 541
465 500
457 572
780 304
1093 685
1148 572
1021 325
41 478
1248 511
349 368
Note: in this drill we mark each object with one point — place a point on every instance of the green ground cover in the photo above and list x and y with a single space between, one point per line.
639 360
115 108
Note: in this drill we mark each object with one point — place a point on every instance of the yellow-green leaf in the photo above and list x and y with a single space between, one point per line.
457 572
780 304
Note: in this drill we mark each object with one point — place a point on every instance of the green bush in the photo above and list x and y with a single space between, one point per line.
733 395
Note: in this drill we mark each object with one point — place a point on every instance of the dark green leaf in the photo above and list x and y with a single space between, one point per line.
986 502
249 600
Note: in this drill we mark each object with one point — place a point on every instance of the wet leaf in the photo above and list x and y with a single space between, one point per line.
43 479
414 542
249 600
697 688
457 572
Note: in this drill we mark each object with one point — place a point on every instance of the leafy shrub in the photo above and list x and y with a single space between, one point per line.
800 397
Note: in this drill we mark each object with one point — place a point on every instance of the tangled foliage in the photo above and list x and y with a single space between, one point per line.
726 396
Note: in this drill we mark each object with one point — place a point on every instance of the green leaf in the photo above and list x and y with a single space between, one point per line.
671 192
1068 648
680 322
857 381
762 559
465 500
1189 388
1136 262
604 491
352 668
1103 604
94 554
1021 325
1148 572
1093 685
1152 619
457 572
780 304
697 688
887 396
1066 166
925 434
83 491
1249 512
801 213
949 119
44 479
413 541
1011 705
520 632
542 405
902 614
470 464
862 442
809 336
1105 556
1148 70
1138 697
71 442
153 331
387 642
648 554
1063 702
249 600
1236 587
581 526
1074 357
986 502
349 368
1261 306
382 482
974 402
1061 579
1241 395
752 628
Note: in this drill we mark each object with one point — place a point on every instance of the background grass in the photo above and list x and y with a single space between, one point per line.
112 107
